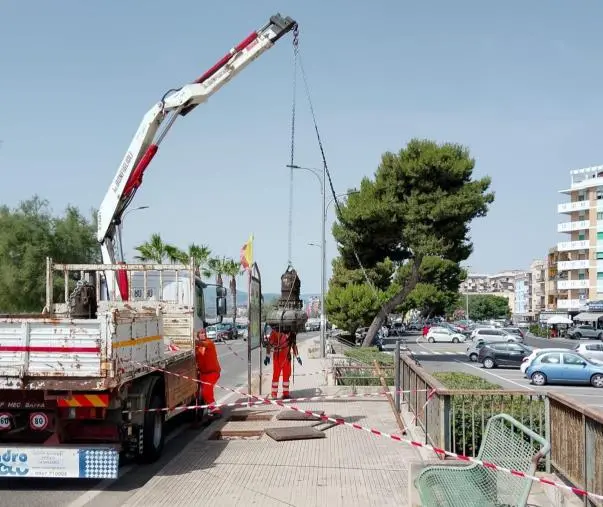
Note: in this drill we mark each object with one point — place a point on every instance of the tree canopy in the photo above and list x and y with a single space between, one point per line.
28 234
409 226
488 306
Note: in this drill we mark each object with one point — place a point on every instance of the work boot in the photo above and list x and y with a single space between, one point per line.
286 397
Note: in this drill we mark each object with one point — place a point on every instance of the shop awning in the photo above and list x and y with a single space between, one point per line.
588 317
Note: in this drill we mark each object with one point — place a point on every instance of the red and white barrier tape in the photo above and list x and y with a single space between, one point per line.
252 403
398 438
429 396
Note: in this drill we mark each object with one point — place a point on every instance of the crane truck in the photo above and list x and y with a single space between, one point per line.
97 373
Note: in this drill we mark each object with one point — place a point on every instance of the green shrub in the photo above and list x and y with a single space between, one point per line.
366 376
458 380
469 413
538 330
368 355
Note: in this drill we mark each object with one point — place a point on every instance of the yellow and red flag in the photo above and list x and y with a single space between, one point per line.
247 254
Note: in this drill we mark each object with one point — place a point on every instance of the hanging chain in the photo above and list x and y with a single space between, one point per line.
292 159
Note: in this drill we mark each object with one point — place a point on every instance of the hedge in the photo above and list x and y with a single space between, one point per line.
470 413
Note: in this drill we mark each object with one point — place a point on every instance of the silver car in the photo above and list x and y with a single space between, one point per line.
584 331
590 350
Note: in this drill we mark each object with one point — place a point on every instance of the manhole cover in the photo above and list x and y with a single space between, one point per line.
237 435
293 415
294 433
250 416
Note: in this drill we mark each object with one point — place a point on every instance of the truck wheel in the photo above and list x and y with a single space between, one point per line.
153 436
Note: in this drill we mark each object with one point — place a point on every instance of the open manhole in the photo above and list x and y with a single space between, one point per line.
250 416
237 435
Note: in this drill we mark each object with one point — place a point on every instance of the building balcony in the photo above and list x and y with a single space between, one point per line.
572 284
568 304
568 207
573 226
567 265
566 246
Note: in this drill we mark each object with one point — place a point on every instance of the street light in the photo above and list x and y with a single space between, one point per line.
322 179
119 226
467 295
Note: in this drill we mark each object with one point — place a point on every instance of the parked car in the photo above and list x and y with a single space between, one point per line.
590 350
396 333
584 331
495 335
414 326
535 353
242 331
212 333
227 330
565 368
474 348
443 334
516 331
492 355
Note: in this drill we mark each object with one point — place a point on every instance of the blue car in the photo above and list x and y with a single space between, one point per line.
565 368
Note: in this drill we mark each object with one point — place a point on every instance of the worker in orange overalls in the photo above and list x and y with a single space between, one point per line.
282 345
208 368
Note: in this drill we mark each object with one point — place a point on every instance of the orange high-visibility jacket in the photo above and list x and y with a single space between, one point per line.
207 357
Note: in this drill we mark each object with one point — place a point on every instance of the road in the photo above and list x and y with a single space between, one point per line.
441 357
114 493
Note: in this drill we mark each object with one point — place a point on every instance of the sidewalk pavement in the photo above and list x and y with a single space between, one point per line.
347 468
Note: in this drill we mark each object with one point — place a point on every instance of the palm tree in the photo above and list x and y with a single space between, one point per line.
200 255
153 250
175 255
216 266
232 268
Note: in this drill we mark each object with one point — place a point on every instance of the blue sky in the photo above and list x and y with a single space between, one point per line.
518 82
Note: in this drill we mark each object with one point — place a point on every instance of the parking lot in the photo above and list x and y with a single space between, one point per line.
440 357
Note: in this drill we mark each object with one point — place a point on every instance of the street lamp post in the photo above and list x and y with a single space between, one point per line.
121 244
322 180
321 176
467 296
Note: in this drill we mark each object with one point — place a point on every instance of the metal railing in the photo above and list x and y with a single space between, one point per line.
455 420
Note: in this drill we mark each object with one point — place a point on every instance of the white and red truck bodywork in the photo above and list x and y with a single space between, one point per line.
75 393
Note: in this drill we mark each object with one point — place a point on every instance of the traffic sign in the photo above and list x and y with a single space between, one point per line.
38 421
5 421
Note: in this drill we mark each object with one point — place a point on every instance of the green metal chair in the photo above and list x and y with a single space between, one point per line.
506 443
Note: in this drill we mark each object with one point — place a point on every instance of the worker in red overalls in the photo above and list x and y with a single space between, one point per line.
209 369
282 345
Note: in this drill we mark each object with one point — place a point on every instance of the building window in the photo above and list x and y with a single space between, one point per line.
600 215
599 193
599 255
600 236
599 276
581 276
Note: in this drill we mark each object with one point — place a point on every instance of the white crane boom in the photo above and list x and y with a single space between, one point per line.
146 141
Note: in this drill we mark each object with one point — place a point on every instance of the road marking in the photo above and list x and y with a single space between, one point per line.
495 375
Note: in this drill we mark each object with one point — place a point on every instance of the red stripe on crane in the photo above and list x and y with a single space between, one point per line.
135 179
224 60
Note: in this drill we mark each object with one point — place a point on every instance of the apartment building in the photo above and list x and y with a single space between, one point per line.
580 261
551 277
501 284
538 281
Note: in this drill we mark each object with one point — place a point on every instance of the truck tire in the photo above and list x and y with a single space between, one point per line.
153 437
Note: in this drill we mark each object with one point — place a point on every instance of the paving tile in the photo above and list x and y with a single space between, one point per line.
347 468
